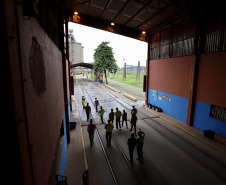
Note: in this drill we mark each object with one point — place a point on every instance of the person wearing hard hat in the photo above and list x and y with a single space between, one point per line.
124 118
109 127
140 144
118 115
133 122
101 112
91 128
131 143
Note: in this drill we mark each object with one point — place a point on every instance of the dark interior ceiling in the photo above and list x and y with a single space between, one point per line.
132 17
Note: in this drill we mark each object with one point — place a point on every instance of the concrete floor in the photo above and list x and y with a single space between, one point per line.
174 153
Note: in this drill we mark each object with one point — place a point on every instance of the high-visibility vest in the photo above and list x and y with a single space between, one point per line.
101 111
118 114
109 127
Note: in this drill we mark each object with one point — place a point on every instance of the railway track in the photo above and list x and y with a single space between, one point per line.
179 141
115 178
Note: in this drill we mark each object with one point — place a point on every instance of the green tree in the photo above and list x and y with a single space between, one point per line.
104 59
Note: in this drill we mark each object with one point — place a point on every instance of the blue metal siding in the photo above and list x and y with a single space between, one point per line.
175 106
64 150
203 121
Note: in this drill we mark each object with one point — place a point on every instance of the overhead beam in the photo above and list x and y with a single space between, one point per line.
124 6
139 11
90 66
105 7
106 25
75 4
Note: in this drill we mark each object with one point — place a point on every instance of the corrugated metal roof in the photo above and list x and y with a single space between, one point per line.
138 15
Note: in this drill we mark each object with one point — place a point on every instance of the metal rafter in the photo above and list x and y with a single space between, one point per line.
139 11
155 15
88 7
121 10
172 18
75 4
106 5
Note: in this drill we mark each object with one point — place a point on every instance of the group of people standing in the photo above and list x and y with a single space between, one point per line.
132 141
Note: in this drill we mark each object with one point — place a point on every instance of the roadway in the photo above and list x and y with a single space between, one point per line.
173 152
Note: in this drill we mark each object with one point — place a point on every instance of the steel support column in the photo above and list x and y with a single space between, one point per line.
17 163
195 61
147 69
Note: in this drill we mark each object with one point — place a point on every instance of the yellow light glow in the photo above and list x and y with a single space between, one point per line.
76 13
112 24
143 32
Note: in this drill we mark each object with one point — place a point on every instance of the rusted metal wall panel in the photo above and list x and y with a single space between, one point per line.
44 96
171 75
211 79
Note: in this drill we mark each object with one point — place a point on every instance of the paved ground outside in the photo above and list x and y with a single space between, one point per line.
125 88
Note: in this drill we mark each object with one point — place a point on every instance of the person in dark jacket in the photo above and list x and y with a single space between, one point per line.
111 116
90 129
96 103
133 122
88 111
131 143
140 144
134 110
124 118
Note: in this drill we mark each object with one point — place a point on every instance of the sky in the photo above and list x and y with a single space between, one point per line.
131 50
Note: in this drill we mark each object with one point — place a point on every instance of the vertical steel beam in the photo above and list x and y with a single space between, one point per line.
67 44
147 70
194 72
65 77
17 151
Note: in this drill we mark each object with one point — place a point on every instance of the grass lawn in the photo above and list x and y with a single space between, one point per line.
130 79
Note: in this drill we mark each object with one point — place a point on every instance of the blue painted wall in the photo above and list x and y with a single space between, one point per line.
64 150
203 121
63 157
175 106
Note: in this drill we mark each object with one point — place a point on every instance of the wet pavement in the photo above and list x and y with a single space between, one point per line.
174 153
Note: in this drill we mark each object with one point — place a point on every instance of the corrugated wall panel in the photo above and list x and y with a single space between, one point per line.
211 80
171 75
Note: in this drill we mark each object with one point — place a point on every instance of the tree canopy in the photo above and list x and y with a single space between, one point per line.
104 59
